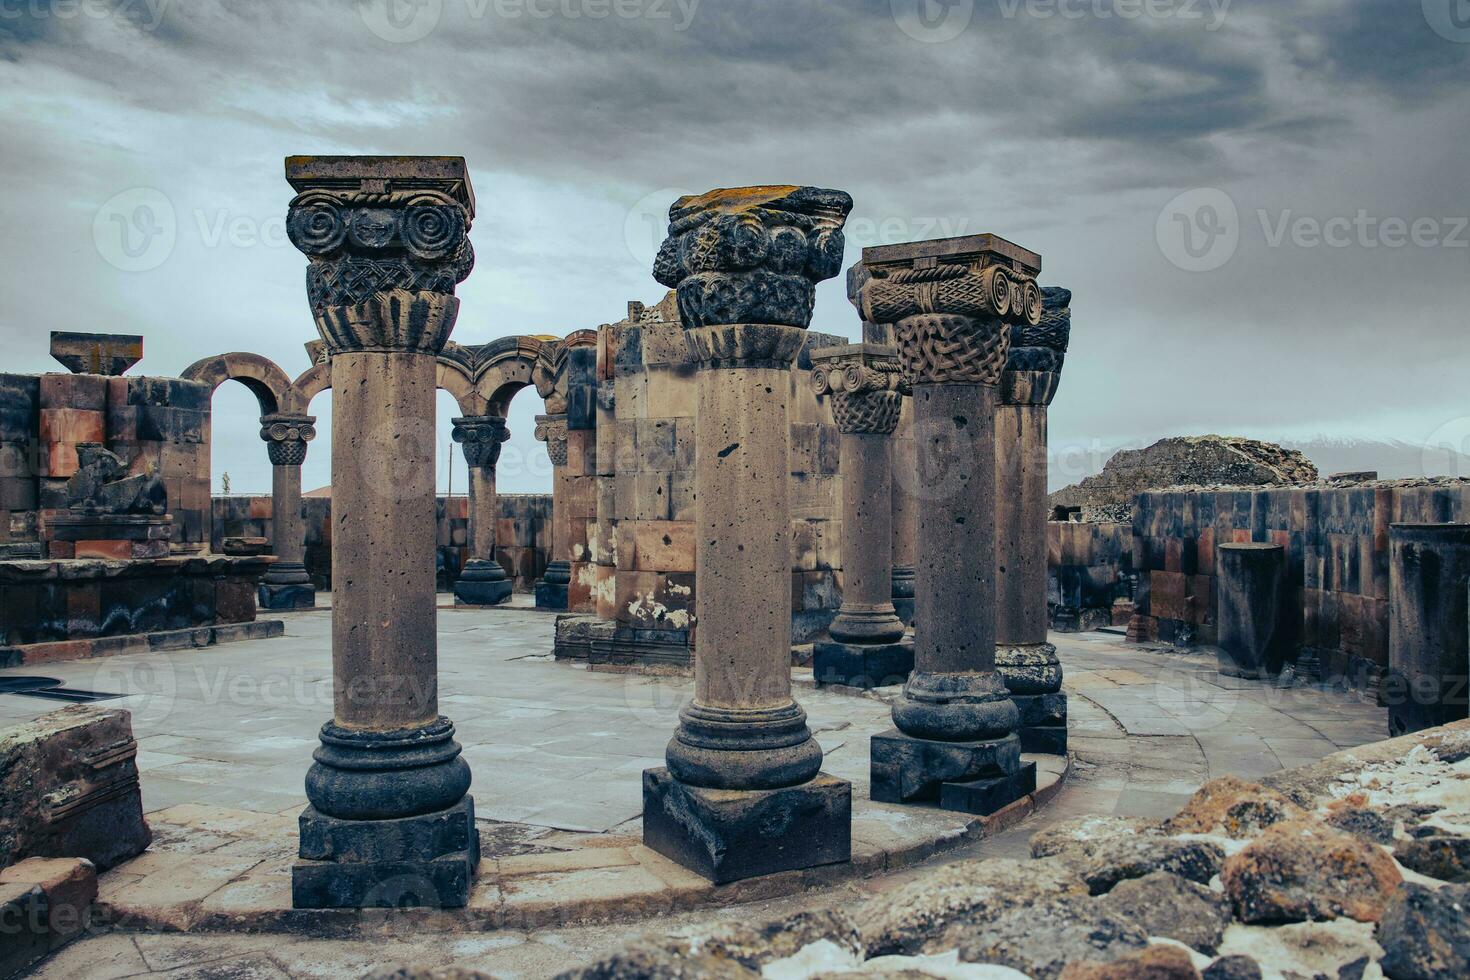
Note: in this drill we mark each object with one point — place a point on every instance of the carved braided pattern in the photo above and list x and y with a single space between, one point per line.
940 348
874 412
289 453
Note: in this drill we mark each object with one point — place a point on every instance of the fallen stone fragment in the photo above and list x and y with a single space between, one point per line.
1425 934
754 946
1362 822
1164 904
651 962
1153 963
1104 863
1303 869
1233 968
906 918
1444 857
1040 940
1233 807
1080 831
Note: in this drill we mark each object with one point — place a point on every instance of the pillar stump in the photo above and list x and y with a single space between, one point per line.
743 793
482 581
952 303
905 510
551 590
1249 578
286 585
1026 661
867 647
1427 643
389 823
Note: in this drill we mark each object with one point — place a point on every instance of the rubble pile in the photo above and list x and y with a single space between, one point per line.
1352 867
1179 462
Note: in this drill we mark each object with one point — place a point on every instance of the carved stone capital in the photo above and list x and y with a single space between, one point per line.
376 227
752 255
480 436
286 435
1043 347
952 302
552 430
745 345
866 384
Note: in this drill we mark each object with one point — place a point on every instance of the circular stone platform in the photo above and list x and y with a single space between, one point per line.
225 738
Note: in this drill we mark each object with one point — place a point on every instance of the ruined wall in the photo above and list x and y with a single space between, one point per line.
1336 542
157 423
1088 565
523 534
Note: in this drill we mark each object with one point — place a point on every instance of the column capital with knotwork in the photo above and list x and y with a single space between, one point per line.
286 435
953 303
387 239
552 430
1034 363
480 436
865 382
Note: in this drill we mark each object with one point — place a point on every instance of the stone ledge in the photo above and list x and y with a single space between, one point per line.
191 638
598 878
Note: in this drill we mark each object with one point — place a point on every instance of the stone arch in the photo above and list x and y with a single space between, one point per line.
265 379
312 382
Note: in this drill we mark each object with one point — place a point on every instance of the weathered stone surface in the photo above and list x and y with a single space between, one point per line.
1104 861
1041 940
1444 857
109 354
70 887
905 769
1360 821
910 918
1233 807
82 756
1428 647
1232 968
1164 904
1069 834
427 973
1153 963
1302 869
650 962
754 946
1249 586
1425 934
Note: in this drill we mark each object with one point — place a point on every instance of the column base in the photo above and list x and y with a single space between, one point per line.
280 597
903 593
427 861
904 609
915 770
551 591
1043 722
575 633
728 835
864 665
983 797
482 583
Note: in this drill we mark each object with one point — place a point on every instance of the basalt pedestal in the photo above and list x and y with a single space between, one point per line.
743 793
482 581
953 303
1249 583
389 822
1428 681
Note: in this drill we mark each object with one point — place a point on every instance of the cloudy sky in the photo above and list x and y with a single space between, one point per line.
1260 205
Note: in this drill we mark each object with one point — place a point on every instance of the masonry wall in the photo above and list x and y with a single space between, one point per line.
1088 565
1337 546
160 424
523 534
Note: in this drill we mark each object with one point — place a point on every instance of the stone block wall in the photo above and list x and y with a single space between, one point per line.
1336 543
523 534
157 423
1088 565
816 501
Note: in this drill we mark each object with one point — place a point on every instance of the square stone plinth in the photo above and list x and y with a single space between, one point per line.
1043 722
550 596
282 597
986 796
727 835
424 861
913 770
864 665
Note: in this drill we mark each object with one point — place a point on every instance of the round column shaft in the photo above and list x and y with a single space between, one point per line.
482 581
286 585
867 614
905 511
551 591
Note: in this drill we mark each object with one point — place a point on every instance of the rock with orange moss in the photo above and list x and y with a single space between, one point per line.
1154 963
1233 807
1302 869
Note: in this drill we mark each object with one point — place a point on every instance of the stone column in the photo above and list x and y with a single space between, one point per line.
1426 686
286 584
905 511
868 647
1026 661
482 581
952 302
606 555
389 822
743 794
551 591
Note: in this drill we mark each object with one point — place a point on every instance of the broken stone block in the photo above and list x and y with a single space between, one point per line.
69 886
1104 863
69 787
1301 870
1425 934
1441 856
1234 807
1041 940
1164 904
1153 963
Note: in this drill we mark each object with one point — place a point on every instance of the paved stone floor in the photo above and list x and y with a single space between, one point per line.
559 747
